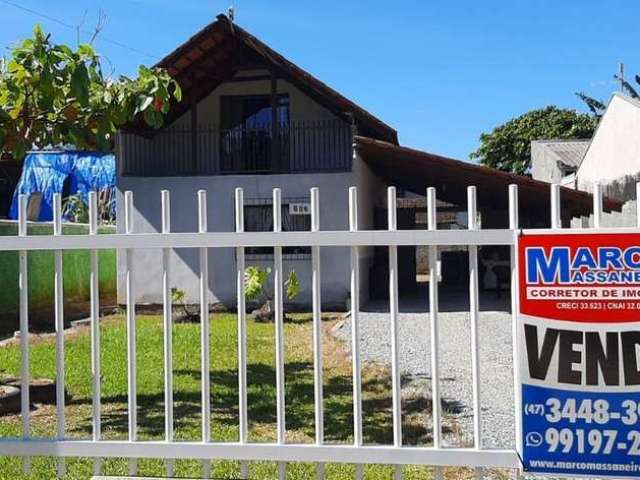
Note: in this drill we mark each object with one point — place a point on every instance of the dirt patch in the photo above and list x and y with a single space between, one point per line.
72 331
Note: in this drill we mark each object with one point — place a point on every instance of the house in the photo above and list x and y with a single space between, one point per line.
250 119
613 156
557 161
253 119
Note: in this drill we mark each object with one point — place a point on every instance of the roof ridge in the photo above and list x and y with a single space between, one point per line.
561 140
282 58
180 62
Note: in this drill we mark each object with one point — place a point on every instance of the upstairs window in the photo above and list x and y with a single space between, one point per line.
248 133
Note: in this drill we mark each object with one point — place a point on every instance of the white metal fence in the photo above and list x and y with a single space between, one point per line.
243 450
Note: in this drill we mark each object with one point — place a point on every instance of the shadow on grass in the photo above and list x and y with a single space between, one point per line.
299 400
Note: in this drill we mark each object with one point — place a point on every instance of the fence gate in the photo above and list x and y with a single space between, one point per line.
206 450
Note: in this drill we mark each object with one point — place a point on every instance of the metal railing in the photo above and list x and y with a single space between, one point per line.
291 147
279 451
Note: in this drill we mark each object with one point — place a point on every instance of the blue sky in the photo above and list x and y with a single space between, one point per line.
440 72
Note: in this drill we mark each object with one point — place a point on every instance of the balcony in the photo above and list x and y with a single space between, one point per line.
292 147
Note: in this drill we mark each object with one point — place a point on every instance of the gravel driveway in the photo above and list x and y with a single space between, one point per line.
455 364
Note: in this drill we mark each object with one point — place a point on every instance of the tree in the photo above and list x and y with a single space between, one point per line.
508 146
52 95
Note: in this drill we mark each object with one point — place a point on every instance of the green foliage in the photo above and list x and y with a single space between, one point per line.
256 281
292 284
53 95
508 146
178 298
596 107
177 295
75 209
627 87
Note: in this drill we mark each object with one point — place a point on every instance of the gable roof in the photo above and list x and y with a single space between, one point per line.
213 56
567 152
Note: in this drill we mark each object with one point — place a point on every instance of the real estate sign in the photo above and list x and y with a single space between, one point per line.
579 343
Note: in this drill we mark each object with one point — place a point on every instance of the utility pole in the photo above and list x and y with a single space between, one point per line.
621 76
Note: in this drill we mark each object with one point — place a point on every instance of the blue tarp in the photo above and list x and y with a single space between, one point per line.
46 172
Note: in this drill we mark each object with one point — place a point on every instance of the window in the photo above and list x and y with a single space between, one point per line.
259 218
248 134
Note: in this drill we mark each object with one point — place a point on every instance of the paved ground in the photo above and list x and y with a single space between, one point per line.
455 361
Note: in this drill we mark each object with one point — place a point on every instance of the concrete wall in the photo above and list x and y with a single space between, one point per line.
613 158
627 217
40 279
220 196
544 165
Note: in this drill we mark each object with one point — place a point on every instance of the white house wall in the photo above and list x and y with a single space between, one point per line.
334 203
371 192
220 196
614 153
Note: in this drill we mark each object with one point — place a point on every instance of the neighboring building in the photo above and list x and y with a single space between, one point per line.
253 119
557 161
613 157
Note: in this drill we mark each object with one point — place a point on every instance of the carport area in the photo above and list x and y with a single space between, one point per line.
412 171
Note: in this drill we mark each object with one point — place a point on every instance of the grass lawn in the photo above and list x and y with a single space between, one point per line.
224 396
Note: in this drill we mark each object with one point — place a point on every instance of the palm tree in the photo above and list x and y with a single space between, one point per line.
597 107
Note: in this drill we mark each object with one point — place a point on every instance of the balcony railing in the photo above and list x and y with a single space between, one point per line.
295 147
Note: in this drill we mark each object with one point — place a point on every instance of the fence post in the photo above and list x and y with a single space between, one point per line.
58 293
472 215
167 314
279 326
355 329
317 328
396 388
517 393
597 205
23 285
94 287
242 331
472 224
204 330
432 224
131 332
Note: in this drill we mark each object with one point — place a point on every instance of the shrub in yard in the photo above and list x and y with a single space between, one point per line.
189 313
256 285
